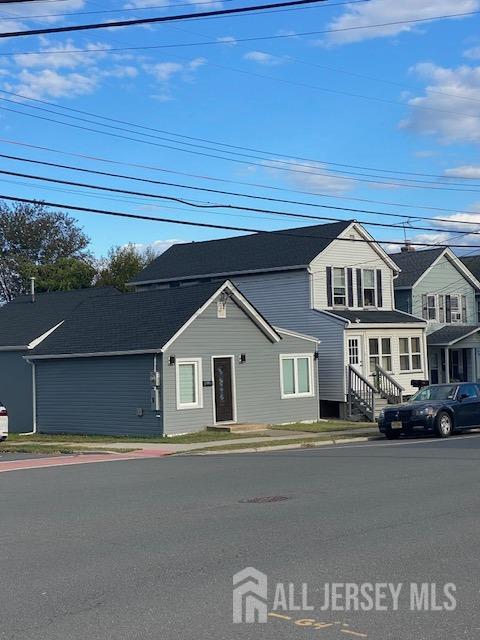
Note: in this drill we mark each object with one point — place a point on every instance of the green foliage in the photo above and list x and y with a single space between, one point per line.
31 235
62 275
122 264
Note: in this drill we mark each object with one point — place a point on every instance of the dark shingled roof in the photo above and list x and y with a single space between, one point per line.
380 317
473 264
129 322
255 252
22 320
451 333
413 265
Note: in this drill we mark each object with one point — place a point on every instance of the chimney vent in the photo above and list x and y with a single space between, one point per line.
407 248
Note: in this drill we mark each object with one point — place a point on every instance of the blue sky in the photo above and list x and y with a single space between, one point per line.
282 96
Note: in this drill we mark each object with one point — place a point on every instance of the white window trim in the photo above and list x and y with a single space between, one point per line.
334 304
295 357
380 354
197 362
375 293
458 298
437 308
410 355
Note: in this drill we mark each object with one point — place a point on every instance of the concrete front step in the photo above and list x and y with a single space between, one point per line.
239 428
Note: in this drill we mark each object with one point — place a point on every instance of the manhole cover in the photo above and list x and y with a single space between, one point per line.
264 499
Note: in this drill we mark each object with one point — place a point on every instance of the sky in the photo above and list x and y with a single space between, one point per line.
315 110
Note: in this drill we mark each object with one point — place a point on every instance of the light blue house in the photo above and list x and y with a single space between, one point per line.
331 281
436 285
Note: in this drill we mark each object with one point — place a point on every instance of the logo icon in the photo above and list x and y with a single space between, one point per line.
250 596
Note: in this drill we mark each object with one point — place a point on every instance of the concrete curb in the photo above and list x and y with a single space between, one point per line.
281 447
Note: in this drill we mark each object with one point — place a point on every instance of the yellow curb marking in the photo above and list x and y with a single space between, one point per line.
277 615
354 633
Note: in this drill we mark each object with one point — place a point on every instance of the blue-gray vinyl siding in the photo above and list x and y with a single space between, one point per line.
403 300
96 395
257 381
16 390
284 299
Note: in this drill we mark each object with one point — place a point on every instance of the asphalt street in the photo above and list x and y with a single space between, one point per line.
147 549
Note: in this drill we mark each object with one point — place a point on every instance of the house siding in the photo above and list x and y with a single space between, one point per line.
96 395
284 299
444 279
257 381
16 390
349 254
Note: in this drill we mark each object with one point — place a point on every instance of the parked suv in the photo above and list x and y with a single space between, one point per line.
3 422
437 408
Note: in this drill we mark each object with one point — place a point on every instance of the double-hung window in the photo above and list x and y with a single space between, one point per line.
189 383
432 307
380 352
296 375
455 310
369 298
410 354
339 287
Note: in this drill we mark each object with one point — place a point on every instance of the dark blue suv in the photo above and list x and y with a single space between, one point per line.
439 408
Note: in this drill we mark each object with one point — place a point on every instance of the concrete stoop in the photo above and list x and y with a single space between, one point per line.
239 427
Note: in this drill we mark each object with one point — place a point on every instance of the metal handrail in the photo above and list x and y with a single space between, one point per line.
361 393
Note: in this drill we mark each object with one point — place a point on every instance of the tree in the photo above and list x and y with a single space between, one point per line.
122 264
31 235
62 275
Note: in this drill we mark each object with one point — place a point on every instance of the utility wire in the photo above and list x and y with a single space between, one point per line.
264 165
269 154
291 232
216 191
159 19
243 183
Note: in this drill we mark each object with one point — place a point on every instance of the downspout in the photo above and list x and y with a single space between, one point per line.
34 402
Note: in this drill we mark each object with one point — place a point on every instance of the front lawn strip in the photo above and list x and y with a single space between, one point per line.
56 449
305 442
327 425
200 436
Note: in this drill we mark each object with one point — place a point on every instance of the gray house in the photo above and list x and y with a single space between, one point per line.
331 281
23 325
169 362
436 285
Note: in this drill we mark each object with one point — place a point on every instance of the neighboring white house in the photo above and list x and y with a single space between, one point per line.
331 281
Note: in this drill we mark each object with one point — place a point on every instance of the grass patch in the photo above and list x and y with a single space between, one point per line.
52 449
321 427
199 436
306 442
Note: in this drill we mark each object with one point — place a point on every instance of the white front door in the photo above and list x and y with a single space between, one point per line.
355 353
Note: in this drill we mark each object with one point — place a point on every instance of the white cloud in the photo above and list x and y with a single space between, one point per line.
49 83
165 71
466 171
266 59
62 56
229 40
424 153
454 117
311 176
473 53
157 246
382 11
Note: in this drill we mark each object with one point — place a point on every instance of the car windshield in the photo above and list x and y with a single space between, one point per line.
436 392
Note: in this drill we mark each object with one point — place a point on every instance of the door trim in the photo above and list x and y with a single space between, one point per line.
234 390
361 351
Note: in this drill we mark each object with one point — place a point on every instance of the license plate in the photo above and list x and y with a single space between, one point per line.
397 425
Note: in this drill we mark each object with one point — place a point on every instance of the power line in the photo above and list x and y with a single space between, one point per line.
224 144
243 183
159 19
152 7
219 192
210 205
287 232
264 165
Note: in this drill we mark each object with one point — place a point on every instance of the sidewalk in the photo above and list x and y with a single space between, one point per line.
165 448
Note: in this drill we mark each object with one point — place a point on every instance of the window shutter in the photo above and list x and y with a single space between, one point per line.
359 288
448 309
464 310
424 306
329 287
379 289
350 287
441 305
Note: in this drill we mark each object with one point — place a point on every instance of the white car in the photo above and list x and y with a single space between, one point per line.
3 422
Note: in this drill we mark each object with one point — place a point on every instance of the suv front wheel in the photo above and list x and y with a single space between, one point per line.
444 425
